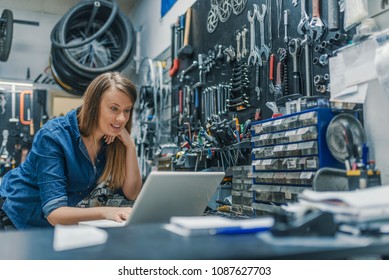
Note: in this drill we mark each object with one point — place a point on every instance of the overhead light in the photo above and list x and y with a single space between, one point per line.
16 84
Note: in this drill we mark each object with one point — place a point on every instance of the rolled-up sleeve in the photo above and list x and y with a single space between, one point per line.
54 204
50 167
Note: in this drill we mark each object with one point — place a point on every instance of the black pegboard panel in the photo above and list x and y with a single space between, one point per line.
204 42
19 136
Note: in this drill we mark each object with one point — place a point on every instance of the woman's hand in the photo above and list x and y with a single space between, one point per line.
118 214
109 138
124 136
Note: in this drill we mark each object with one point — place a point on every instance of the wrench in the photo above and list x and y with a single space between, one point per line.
294 50
306 43
244 49
264 48
268 3
317 26
254 56
238 54
303 25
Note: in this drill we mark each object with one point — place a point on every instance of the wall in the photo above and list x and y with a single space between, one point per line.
376 111
155 31
376 115
30 46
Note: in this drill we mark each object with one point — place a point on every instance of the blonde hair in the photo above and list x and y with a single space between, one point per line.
115 168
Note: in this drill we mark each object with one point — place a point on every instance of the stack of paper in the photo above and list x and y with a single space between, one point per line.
212 225
367 205
74 236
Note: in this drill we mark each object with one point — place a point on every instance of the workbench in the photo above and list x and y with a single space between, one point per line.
153 242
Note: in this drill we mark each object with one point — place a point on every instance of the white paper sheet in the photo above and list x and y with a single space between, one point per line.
74 236
381 64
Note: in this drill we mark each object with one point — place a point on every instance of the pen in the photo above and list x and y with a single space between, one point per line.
237 230
365 154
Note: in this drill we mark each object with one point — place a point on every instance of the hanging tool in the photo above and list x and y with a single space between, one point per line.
187 70
181 20
264 51
273 106
258 89
23 120
197 102
285 70
303 25
286 23
254 54
13 110
268 3
180 105
278 87
175 62
271 73
238 51
42 95
186 51
306 44
279 16
244 49
3 102
294 50
3 149
317 26
333 15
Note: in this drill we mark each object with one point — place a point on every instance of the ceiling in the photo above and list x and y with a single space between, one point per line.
56 6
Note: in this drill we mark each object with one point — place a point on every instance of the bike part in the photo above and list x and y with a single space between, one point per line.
6 31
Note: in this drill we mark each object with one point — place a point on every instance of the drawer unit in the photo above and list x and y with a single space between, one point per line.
286 153
242 194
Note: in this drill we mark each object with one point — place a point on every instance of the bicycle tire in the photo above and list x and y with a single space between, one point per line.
122 28
6 33
74 68
64 23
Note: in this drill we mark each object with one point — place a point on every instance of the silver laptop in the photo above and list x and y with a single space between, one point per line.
165 194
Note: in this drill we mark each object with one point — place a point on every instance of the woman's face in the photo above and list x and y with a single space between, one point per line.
115 109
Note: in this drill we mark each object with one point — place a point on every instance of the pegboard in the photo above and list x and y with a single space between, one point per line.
224 34
22 113
214 31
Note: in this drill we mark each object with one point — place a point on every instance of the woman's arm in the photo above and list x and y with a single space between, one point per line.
72 215
133 182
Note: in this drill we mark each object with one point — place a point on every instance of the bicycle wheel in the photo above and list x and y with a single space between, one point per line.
111 50
6 32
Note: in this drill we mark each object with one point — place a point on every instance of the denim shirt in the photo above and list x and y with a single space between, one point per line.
57 172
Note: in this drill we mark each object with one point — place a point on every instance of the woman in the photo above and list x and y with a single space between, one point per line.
71 155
